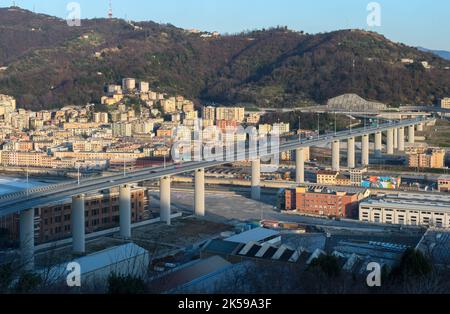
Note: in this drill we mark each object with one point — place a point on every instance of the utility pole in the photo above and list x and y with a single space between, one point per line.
28 182
299 128
318 125
335 123
78 174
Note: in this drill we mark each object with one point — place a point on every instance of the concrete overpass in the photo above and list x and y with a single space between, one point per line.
25 202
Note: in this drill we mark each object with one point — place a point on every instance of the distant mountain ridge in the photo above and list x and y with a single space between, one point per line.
441 53
49 64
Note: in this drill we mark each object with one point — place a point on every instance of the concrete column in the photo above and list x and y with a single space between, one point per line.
256 179
401 139
300 166
164 191
378 144
390 142
365 150
395 138
420 127
336 156
411 135
78 223
351 164
125 211
26 226
199 193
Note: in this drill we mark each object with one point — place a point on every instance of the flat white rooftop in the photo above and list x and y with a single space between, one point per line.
254 235
413 205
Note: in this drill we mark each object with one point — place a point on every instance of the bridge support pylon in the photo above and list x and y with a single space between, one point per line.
395 138
26 226
390 142
256 179
351 164
300 166
78 222
411 134
365 150
199 196
336 156
164 192
379 144
125 211
401 139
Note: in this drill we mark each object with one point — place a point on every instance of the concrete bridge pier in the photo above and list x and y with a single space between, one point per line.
395 138
78 223
390 142
336 156
26 229
300 166
165 199
125 211
378 144
256 179
401 139
411 134
365 150
351 164
199 196
420 127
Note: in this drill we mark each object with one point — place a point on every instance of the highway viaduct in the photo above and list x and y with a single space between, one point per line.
24 203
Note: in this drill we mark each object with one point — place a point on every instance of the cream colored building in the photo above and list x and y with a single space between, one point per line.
253 118
209 113
427 158
99 155
7 104
281 128
327 177
230 114
128 84
101 117
444 183
407 209
445 103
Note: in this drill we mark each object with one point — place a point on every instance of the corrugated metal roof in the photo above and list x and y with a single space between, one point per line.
100 259
190 272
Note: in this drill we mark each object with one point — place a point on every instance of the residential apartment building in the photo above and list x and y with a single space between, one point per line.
326 177
444 183
426 158
444 103
230 113
128 84
7 104
281 128
209 113
357 176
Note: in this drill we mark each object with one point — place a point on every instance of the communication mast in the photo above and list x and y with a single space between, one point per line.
110 12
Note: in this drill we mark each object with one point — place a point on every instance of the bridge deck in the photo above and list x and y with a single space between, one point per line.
21 201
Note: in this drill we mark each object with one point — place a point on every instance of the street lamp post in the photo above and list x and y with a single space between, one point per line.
28 182
318 125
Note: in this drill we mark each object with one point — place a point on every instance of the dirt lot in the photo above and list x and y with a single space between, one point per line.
438 135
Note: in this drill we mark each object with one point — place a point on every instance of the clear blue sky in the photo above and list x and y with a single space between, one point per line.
413 22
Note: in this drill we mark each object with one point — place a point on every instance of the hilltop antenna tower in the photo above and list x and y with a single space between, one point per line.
110 12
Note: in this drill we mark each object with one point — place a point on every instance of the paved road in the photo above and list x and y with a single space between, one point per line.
19 201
